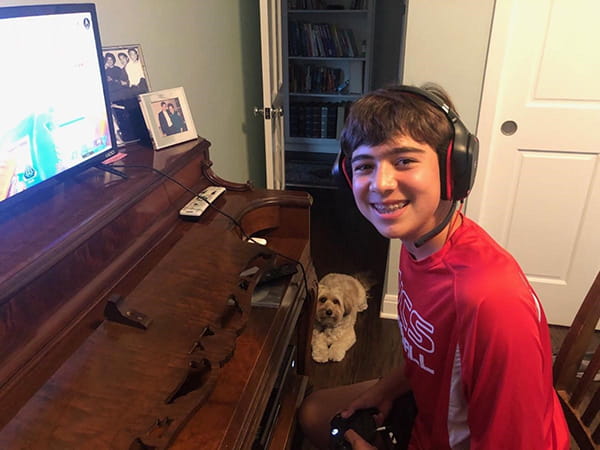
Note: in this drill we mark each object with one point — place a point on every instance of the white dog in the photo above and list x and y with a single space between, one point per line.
340 298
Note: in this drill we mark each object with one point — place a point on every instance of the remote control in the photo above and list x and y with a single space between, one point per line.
362 421
198 204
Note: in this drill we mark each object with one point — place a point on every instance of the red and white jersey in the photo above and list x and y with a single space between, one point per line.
477 349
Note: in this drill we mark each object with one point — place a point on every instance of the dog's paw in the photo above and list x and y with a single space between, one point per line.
320 349
320 357
336 354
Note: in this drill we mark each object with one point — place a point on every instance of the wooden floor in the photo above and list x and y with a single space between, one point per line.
343 241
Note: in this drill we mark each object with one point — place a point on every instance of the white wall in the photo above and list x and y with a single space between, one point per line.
446 43
212 49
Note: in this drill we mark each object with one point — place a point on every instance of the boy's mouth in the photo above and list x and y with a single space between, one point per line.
387 208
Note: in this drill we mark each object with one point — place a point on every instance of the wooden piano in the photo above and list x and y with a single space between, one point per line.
123 326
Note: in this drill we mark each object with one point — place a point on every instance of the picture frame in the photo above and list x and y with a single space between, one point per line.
168 117
127 77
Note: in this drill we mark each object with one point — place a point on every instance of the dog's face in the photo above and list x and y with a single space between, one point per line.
332 307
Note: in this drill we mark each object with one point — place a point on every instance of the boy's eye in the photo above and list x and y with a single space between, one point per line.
404 162
361 167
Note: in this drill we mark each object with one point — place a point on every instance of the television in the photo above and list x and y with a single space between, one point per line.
55 117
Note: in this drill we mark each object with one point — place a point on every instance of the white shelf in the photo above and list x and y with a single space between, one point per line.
328 11
328 95
327 58
348 32
307 140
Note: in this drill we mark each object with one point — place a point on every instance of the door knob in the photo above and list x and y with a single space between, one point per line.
267 113
509 127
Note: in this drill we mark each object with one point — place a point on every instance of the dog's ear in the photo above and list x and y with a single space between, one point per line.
349 305
322 288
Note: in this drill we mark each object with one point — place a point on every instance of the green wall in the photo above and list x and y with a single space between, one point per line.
212 49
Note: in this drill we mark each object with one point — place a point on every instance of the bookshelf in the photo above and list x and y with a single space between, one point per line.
328 54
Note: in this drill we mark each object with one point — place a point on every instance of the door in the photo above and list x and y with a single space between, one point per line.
271 34
538 187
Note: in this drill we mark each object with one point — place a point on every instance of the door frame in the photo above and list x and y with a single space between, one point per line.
489 100
273 82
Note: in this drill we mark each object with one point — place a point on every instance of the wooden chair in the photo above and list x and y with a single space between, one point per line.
580 395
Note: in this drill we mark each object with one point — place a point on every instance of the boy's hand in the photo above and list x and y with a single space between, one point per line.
371 399
357 442
381 395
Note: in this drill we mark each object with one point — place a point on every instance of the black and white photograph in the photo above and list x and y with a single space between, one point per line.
126 77
168 117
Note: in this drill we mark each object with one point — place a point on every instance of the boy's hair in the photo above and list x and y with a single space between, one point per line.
386 113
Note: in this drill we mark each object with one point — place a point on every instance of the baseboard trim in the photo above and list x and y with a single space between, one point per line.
389 309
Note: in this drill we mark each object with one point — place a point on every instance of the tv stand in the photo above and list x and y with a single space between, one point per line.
109 169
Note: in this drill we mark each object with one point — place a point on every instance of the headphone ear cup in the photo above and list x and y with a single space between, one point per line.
473 156
342 170
464 156
459 163
347 168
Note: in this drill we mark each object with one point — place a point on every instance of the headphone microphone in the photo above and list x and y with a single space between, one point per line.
438 228
457 164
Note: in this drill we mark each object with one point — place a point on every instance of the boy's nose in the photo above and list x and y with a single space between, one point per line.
384 179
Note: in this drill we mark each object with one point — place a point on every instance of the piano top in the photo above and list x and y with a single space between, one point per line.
120 322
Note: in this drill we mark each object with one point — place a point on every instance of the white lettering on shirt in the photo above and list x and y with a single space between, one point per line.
416 332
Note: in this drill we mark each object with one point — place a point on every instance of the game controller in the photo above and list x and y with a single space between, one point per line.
362 421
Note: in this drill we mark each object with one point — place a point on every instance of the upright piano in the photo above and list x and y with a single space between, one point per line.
124 326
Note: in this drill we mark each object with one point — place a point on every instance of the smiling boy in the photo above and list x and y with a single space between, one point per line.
476 344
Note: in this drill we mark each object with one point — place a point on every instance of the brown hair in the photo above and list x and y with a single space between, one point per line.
385 113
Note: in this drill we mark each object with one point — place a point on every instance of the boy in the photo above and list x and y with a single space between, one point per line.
477 355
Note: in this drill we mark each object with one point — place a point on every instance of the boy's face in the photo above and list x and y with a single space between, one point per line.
396 186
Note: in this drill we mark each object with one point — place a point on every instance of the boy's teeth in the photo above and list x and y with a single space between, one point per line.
388 208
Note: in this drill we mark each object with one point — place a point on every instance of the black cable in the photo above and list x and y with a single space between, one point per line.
196 194
232 219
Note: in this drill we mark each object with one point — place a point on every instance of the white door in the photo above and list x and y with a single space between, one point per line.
538 187
271 34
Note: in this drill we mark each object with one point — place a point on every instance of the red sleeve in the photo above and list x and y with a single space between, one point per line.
505 380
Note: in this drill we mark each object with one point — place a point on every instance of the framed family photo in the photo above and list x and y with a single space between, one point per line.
168 117
126 77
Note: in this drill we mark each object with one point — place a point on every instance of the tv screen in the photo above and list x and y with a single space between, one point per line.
55 115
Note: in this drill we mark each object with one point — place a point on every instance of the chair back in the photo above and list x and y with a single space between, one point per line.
575 372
